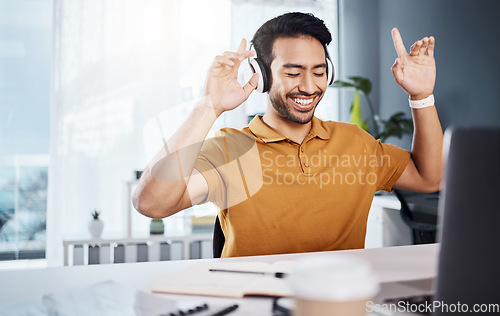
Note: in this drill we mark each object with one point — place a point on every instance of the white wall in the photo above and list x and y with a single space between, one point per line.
467 60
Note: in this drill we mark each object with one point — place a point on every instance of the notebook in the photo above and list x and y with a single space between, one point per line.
229 279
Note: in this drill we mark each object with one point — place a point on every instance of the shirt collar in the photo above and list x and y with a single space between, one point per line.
265 133
262 131
318 130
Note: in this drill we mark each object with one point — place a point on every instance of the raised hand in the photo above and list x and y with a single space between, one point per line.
415 72
222 86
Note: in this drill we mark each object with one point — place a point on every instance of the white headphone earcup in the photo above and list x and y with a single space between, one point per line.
330 71
254 65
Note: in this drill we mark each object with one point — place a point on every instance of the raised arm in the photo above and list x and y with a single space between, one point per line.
170 183
416 74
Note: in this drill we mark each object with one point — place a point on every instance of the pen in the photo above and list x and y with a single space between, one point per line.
201 308
194 310
226 310
279 275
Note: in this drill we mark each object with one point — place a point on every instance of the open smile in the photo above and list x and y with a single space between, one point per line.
303 103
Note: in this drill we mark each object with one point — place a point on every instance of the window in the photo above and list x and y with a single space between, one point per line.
23 206
25 56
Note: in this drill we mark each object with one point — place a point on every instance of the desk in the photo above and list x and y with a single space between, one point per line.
391 264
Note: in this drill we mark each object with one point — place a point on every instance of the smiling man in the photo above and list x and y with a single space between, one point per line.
298 74
289 182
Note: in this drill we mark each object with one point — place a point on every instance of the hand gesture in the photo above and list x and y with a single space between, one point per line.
222 86
415 72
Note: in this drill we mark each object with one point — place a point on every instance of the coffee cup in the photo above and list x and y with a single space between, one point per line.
332 284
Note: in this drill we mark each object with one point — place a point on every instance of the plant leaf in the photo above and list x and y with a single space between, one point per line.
364 126
397 125
343 84
362 84
356 112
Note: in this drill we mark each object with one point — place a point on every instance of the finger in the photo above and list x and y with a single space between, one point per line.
242 49
223 61
398 43
234 56
415 48
251 85
249 53
243 46
397 71
238 57
430 47
423 47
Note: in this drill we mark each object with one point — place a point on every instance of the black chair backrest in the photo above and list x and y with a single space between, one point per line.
219 239
423 231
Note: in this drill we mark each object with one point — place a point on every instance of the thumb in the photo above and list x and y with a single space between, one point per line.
397 71
251 85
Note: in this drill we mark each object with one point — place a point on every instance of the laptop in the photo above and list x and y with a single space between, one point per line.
469 260
468 276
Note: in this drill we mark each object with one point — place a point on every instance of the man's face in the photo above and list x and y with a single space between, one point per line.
298 78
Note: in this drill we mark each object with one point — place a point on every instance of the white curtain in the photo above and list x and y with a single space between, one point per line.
116 65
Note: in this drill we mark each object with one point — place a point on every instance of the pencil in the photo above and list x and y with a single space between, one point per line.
279 275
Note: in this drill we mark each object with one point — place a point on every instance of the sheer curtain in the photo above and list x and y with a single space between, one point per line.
117 64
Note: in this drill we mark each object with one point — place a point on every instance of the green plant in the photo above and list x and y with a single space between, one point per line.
397 125
95 214
157 226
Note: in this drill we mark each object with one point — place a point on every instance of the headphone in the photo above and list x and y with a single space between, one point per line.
256 65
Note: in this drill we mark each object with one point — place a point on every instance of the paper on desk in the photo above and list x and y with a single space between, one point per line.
199 280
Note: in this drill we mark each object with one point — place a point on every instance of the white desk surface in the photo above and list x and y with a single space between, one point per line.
391 264
387 201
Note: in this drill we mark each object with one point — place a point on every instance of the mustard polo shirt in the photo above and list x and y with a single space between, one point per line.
277 196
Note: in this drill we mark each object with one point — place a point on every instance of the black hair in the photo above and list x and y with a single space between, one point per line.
293 24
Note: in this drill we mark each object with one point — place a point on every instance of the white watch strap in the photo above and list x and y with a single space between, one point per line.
420 104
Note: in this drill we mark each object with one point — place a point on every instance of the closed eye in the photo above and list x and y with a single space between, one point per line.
319 74
292 75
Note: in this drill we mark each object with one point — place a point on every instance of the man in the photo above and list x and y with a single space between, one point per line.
290 182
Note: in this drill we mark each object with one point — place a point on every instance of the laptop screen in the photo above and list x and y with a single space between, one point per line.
469 230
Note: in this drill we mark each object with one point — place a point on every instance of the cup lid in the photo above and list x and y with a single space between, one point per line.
333 277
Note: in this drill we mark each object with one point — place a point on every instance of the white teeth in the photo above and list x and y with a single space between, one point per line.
303 101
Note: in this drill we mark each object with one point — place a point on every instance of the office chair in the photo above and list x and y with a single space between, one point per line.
423 226
219 239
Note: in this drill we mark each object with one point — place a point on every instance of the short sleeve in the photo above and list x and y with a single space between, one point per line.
392 164
211 156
